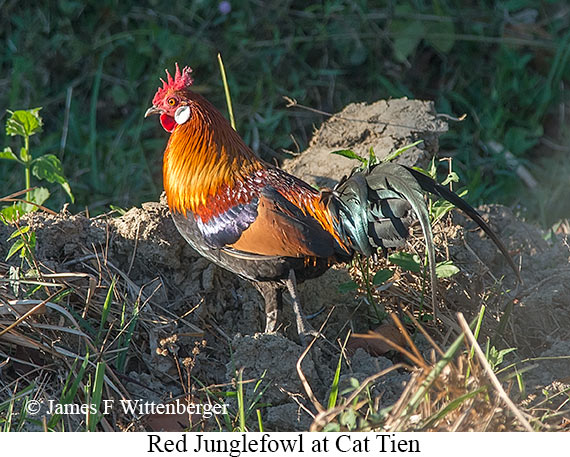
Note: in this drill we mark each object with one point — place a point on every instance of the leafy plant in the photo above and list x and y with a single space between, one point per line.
24 244
381 276
496 356
371 160
412 262
477 58
47 167
406 261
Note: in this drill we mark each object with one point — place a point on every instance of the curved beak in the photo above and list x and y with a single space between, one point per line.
152 110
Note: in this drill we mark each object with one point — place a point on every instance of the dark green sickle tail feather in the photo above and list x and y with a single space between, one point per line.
376 207
429 185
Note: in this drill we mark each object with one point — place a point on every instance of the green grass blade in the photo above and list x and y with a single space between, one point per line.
227 91
334 388
255 402
125 339
400 151
259 421
68 393
454 404
106 309
241 403
9 416
350 155
97 394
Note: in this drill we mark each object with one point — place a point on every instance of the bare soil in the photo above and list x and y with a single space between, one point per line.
194 312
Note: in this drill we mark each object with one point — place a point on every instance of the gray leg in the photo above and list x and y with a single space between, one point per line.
272 295
303 328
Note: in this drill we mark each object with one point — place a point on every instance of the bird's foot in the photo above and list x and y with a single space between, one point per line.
309 334
304 329
271 321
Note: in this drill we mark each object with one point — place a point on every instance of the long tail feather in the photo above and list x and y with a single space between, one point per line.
429 185
375 211
394 177
367 223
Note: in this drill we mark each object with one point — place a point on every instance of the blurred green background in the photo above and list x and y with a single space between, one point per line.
94 67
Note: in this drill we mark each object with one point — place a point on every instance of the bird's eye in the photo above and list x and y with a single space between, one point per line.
172 101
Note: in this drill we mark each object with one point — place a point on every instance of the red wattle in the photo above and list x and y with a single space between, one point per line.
168 122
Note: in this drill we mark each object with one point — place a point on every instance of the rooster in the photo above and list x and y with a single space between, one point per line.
272 228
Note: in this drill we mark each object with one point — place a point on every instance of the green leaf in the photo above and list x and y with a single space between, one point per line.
67 190
333 396
25 243
24 122
31 241
25 155
441 207
8 154
19 244
372 160
106 309
348 419
118 209
496 356
441 35
349 155
19 232
332 427
347 286
407 35
406 261
446 269
433 169
451 177
39 195
396 153
98 385
49 167
382 276
12 213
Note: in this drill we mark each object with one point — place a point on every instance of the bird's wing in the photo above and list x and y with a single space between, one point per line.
282 228
268 224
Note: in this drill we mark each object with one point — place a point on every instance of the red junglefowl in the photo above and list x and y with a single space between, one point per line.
269 227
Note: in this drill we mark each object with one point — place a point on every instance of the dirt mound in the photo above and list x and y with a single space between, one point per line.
385 126
194 312
542 302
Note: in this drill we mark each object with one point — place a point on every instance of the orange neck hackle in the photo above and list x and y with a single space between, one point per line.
209 169
204 155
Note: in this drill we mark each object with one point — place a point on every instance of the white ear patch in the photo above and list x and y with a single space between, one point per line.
182 114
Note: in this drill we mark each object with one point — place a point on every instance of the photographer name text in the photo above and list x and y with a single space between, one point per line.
137 408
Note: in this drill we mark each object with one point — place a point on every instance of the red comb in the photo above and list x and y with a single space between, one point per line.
181 80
